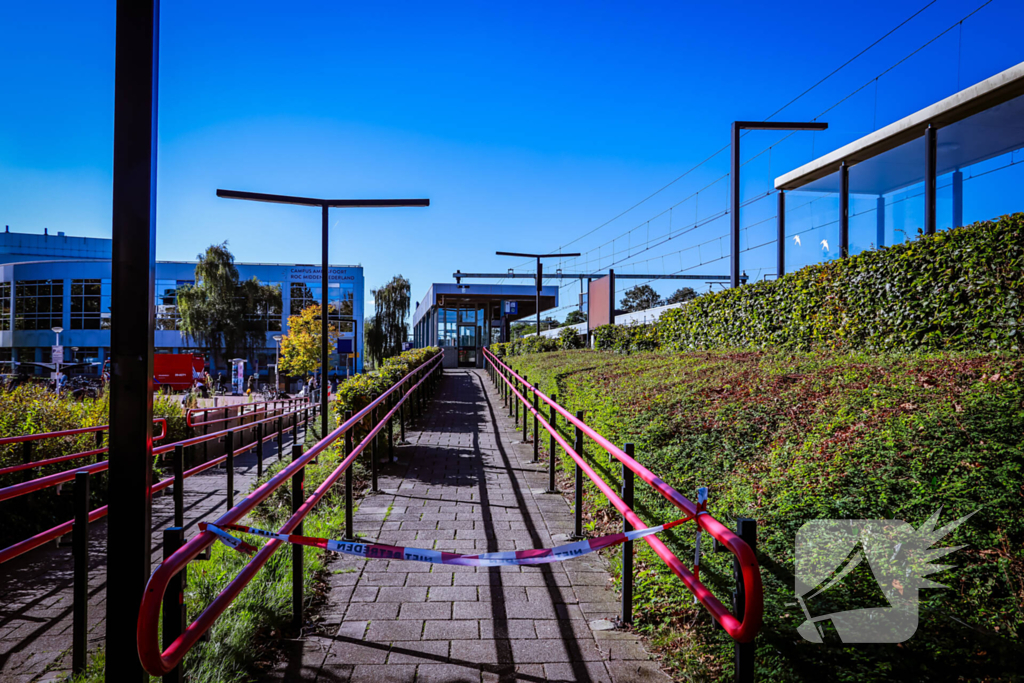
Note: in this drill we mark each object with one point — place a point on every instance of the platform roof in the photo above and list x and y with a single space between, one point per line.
451 294
977 123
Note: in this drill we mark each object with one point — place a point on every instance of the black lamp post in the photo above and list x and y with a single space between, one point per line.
540 272
324 205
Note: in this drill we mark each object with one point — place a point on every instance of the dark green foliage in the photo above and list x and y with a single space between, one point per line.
389 329
787 437
640 298
568 339
575 318
680 295
956 289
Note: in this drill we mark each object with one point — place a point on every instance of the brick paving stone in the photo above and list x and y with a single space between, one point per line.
465 483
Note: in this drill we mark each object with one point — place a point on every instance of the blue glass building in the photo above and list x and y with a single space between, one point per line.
51 281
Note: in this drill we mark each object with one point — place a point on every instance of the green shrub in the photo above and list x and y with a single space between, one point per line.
568 339
609 338
357 392
958 289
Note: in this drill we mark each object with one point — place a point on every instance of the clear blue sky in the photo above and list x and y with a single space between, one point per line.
527 125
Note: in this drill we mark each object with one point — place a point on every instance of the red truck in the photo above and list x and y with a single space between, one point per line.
177 370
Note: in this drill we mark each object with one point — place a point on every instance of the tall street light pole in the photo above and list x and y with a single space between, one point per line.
324 205
56 363
540 272
277 362
734 181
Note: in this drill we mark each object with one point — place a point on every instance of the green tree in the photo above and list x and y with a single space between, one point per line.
522 329
223 315
680 295
575 317
373 341
640 298
300 348
391 303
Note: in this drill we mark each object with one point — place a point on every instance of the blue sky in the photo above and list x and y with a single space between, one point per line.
527 125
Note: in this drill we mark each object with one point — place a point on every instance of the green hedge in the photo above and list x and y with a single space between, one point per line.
958 289
355 393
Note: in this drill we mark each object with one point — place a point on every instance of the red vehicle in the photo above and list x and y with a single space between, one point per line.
177 370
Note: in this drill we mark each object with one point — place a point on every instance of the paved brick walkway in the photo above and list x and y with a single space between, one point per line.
36 588
466 484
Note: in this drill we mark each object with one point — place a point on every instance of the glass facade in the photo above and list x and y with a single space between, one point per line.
5 306
340 301
166 302
90 304
38 304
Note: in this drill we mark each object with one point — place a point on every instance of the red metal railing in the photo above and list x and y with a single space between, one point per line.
741 631
41 483
158 662
240 410
64 458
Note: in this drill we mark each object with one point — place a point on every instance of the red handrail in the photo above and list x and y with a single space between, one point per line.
195 411
70 432
42 537
742 632
73 456
159 663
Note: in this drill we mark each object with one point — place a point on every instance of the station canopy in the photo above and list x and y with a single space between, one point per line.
979 123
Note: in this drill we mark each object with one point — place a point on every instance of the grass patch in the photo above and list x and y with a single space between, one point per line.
790 437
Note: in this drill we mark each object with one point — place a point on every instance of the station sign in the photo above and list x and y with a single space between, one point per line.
511 308
57 354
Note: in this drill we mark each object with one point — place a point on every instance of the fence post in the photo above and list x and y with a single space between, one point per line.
578 447
259 449
350 533
373 451
627 547
99 444
174 600
401 421
515 399
206 451
80 552
536 428
280 438
553 445
743 653
297 481
230 438
179 485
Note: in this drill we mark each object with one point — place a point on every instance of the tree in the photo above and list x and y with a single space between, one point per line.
575 317
680 295
373 340
223 315
640 298
522 329
391 303
300 348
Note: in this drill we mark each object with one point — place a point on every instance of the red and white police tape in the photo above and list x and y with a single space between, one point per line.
375 551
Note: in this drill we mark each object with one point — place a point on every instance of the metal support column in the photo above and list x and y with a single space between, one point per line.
259 449
174 616
536 429
743 653
844 210
350 533
780 265
578 447
373 452
178 465
880 222
298 479
229 439
133 267
80 586
324 359
929 179
958 198
552 446
734 207
627 547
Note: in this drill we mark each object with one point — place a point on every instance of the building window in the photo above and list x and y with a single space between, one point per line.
90 304
166 301
269 320
5 306
38 304
86 360
341 301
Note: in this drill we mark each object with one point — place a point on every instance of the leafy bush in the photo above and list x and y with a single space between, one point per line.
568 339
357 392
958 289
788 437
609 338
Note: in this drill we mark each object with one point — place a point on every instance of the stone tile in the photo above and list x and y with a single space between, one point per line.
389 673
401 629
372 610
418 652
461 629
593 671
425 610
453 593
641 672
447 673
407 594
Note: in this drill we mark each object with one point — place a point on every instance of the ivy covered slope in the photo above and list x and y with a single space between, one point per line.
787 437
956 289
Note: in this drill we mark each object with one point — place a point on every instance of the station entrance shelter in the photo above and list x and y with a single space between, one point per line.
462 319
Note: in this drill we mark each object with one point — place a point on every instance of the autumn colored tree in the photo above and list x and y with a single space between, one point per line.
300 348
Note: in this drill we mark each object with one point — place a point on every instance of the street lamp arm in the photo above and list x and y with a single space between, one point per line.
313 201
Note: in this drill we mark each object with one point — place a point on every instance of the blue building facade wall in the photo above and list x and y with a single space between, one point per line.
44 280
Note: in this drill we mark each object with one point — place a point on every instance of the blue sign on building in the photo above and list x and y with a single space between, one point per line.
511 308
